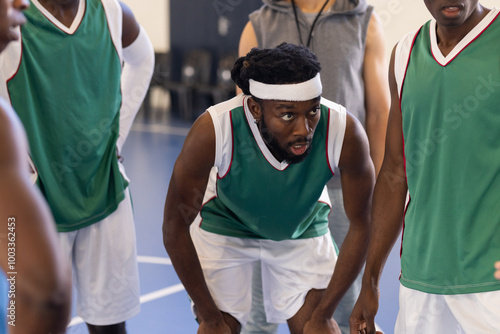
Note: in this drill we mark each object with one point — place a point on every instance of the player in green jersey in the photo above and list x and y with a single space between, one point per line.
76 78
274 148
442 149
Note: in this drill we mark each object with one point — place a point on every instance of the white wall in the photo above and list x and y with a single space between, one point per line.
402 16
398 18
154 16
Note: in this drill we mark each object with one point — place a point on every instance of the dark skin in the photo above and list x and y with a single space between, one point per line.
42 293
391 187
288 122
65 11
453 23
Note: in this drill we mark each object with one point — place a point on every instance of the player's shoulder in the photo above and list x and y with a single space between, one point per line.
332 106
223 108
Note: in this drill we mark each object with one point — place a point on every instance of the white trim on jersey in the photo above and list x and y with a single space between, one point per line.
76 21
404 46
114 15
469 38
224 133
260 141
401 58
10 59
336 131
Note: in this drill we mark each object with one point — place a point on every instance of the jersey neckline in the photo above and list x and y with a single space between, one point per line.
468 39
76 21
260 141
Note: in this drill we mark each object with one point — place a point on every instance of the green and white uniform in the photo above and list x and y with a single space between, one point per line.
257 209
73 141
451 121
257 196
65 84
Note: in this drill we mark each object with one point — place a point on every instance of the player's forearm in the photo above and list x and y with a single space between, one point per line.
349 263
376 127
387 219
42 311
42 279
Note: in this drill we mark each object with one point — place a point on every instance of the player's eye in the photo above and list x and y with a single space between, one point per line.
287 116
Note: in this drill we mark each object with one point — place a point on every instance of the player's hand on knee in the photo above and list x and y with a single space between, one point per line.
362 320
321 326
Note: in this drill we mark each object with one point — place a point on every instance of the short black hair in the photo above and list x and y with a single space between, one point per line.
285 64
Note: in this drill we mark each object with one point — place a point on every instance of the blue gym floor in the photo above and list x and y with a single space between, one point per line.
149 155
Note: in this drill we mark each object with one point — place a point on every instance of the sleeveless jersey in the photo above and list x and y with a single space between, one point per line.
451 121
338 39
256 196
66 91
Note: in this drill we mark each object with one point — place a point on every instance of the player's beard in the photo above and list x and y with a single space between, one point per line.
280 153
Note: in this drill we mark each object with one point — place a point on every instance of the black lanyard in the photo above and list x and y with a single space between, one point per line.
312 27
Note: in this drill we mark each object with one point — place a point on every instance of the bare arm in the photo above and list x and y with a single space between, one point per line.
248 40
358 178
387 215
377 94
189 178
131 28
43 280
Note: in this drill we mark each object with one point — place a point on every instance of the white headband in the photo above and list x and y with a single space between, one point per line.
302 91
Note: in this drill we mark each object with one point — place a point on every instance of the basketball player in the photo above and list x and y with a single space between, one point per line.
66 81
443 148
348 40
37 289
275 147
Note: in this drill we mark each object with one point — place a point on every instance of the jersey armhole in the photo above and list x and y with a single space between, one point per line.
10 60
114 17
402 58
337 118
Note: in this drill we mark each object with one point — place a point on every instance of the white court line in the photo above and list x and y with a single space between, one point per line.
149 296
144 299
154 260
159 128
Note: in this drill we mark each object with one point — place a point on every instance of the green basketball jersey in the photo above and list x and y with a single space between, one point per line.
67 94
258 197
451 127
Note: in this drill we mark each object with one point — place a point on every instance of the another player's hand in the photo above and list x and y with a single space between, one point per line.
362 320
213 327
321 326
497 273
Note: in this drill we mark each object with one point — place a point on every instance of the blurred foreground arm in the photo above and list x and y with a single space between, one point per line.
42 291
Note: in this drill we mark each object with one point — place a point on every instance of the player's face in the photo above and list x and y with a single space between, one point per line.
288 127
11 16
453 13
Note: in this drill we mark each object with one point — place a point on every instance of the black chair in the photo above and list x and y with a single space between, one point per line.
224 87
161 74
196 68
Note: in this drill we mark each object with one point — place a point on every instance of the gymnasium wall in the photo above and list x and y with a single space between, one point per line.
397 16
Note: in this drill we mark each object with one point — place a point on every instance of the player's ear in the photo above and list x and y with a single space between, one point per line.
255 108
